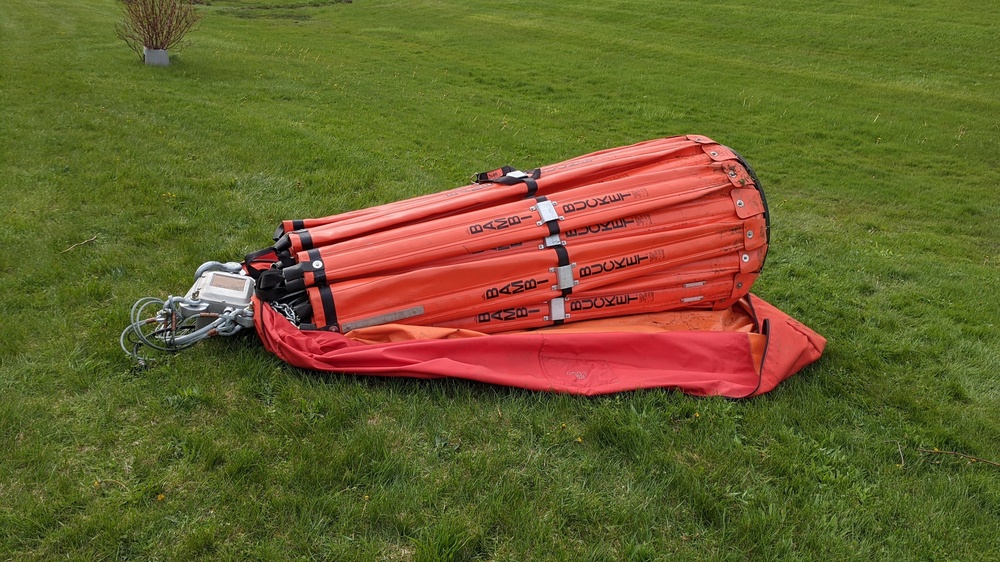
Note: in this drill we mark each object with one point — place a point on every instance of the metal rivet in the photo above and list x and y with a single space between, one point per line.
749 234
739 285
317 264
746 258
714 153
739 203
732 173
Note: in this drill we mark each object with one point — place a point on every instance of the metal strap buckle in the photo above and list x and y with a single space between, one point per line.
564 277
557 310
546 211
552 240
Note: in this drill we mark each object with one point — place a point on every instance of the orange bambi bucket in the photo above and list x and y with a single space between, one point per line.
675 223
622 269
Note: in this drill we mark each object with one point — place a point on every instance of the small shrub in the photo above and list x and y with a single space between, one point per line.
155 24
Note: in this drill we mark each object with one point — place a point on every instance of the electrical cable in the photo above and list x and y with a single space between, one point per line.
172 330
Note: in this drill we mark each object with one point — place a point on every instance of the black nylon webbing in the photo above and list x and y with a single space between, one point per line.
528 180
532 187
269 285
329 307
563 255
553 225
488 177
252 257
319 275
305 238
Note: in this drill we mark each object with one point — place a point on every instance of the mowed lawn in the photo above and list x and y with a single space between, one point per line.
875 130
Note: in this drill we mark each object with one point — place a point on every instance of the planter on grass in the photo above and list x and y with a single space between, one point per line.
151 27
155 57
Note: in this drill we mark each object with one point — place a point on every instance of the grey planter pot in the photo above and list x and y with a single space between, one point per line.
155 57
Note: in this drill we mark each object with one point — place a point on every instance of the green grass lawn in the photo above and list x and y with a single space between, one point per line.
874 127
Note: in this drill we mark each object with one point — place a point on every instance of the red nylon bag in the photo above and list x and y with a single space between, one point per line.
739 352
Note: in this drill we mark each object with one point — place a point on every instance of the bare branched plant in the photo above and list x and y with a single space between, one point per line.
155 24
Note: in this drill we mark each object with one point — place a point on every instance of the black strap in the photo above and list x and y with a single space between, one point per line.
532 187
303 311
305 239
284 242
503 177
281 252
319 274
297 224
329 307
563 260
553 225
492 175
270 285
563 256
263 257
